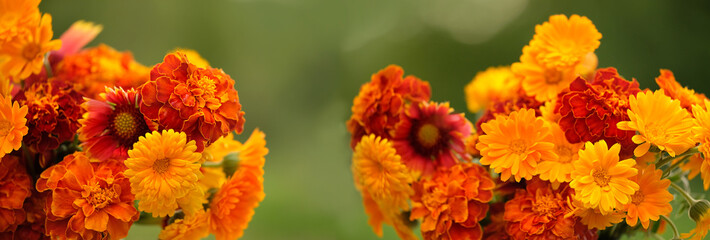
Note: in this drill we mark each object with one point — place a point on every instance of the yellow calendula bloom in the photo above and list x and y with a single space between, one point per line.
13 125
559 169
193 227
27 49
660 121
514 145
600 180
15 16
651 200
164 170
495 83
563 42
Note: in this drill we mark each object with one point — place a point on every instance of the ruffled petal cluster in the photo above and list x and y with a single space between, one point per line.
15 187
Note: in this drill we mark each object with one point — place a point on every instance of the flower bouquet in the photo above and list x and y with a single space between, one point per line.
561 149
92 141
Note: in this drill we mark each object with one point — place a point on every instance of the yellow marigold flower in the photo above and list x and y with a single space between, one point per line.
600 180
27 49
513 145
563 43
660 121
560 168
164 169
492 84
193 227
701 133
13 125
651 200
194 57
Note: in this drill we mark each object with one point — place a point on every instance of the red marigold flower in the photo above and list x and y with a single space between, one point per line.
429 135
15 187
453 202
377 107
87 200
538 212
590 111
200 102
112 124
53 117
93 69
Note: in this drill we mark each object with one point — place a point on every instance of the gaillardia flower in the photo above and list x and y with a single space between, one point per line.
15 187
600 180
651 200
164 169
660 121
111 125
27 49
200 102
13 125
87 200
514 145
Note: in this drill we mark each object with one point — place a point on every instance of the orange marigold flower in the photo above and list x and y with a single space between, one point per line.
94 69
503 107
384 182
453 202
233 206
13 125
87 200
15 187
193 227
563 43
660 121
378 106
493 84
164 168
76 37
559 169
538 212
429 135
513 145
651 200
111 125
600 180
200 102
673 89
17 15
701 133
590 111
27 49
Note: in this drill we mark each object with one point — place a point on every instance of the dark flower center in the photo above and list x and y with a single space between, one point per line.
127 124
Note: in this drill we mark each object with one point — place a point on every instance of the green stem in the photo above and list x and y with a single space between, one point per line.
670 223
207 164
685 194
675 165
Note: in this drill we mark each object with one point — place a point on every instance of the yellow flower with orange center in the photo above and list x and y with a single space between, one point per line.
27 49
651 200
559 169
13 125
495 83
600 180
193 227
514 145
164 169
660 121
701 133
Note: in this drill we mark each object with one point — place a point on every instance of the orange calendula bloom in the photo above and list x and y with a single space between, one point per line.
600 180
233 206
493 84
559 169
384 180
111 125
651 200
27 49
200 102
430 135
378 106
214 177
87 200
563 42
15 187
194 227
453 202
16 16
701 132
164 169
660 121
673 89
514 145
13 125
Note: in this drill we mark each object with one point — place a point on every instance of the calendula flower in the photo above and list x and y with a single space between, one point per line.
430 135
15 187
493 84
660 121
112 124
378 106
453 202
94 69
75 38
594 219
233 206
559 169
590 111
193 227
673 89
17 16
13 125
562 42
193 56
514 145
164 169
693 165
27 49
87 201
651 200
701 132
200 102
600 180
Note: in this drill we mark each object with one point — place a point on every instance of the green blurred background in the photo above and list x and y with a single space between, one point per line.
299 63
